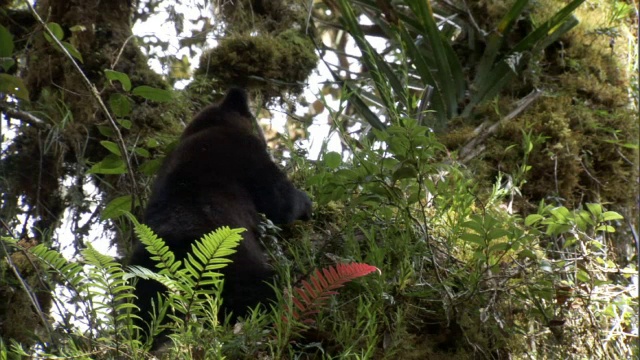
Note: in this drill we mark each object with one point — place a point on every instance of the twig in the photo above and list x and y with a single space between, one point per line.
25 286
94 92
476 145
24 117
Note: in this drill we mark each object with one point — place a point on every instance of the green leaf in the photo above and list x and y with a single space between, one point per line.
110 165
150 167
332 160
595 209
73 51
499 247
532 219
117 207
473 238
111 146
6 42
611 215
448 80
142 152
13 85
406 171
384 78
123 78
57 31
497 234
583 276
120 105
606 228
6 49
153 94
125 123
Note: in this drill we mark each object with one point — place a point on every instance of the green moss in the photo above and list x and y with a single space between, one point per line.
586 116
272 64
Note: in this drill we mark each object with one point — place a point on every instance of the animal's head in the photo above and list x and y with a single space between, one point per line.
232 112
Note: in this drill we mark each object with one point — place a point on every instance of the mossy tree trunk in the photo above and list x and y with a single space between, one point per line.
58 133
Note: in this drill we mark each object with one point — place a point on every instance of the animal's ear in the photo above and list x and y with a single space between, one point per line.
236 100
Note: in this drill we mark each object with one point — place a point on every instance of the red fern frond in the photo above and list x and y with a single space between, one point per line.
311 296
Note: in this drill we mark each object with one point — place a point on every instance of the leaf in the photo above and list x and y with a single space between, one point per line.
123 78
473 238
309 298
611 215
6 49
151 93
533 219
117 207
447 79
332 160
111 146
13 85
57 31
6 42
110 165
120 105
595 209
73 51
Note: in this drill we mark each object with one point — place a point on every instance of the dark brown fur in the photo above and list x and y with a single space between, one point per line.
220 174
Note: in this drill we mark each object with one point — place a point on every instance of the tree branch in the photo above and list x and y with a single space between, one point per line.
475 146
24 116
94 92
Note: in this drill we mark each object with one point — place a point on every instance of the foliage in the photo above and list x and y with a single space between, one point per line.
311 297
508 248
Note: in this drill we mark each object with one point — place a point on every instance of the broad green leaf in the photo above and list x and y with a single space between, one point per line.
494 234
405 171
151 93
583 276
595 209
73 51
606 228
150 167
532 219
117 207
111 146
13 85
611 215
120 105
332 160
6 42
118 76
57 31
6 49
125 123
473 238
499 247
141 152
111 165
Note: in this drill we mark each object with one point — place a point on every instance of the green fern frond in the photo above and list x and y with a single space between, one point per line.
109 291
208 255
71 273
160 253
144 273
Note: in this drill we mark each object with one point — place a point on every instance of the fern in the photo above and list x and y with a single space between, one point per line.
206 256
312 296
107 275
195 277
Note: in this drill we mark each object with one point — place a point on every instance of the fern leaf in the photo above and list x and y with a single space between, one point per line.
311 296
